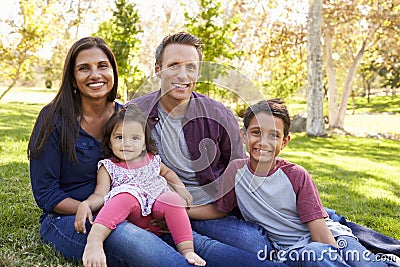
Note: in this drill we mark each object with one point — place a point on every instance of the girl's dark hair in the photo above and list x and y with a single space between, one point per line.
129 113
66 105
275 107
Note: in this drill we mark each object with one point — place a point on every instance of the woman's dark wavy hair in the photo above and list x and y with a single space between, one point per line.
128 113
66 105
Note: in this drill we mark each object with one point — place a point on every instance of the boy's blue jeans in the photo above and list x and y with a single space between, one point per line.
350 253
129 245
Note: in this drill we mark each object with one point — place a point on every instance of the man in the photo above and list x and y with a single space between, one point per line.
196 137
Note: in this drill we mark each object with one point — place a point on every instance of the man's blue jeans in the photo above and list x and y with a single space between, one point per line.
239 233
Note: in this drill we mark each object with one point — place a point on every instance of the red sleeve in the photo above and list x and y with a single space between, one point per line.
309 204
226 196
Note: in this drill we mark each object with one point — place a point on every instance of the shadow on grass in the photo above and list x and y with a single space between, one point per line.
20 242
18 119
350 192
379 104
367 148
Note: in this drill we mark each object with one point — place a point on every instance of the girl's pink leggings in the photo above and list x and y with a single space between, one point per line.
168 206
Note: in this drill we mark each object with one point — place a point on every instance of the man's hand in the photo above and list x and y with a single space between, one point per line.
162 224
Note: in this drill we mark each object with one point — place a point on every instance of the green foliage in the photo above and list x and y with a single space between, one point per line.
285 51
390 72
121 33
19 49
285 79
216 34
210 27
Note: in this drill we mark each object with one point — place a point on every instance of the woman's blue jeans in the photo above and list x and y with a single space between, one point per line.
129 245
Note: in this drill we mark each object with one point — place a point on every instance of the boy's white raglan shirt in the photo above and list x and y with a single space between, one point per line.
282 201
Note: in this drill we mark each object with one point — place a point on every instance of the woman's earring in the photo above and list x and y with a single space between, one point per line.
75 92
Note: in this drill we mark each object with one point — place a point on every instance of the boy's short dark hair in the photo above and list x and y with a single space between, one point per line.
275 107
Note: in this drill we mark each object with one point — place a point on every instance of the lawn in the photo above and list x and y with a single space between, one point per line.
380 116
20 243
377 104
358 177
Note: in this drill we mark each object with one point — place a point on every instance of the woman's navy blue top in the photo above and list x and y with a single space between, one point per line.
54 177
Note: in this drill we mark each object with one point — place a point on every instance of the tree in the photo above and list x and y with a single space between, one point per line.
388 67
352 27
272 44
24 41
283 60
216 34
121 33
165 17
315 95
369 70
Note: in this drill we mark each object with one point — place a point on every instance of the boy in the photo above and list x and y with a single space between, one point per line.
281 197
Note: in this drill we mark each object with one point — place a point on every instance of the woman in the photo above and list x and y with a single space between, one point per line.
64 149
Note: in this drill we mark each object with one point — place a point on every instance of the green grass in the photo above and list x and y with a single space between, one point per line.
378 104
20 243
358 177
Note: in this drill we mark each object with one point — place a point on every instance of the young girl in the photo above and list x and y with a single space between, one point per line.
139 192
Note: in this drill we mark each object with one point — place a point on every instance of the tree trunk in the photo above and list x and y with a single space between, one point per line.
332 84
347 85
315 95
8 89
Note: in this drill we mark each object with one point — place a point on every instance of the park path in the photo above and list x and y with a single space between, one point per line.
32 96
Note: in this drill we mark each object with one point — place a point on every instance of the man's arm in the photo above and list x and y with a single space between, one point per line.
206 212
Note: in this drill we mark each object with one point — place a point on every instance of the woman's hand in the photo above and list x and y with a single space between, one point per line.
84 212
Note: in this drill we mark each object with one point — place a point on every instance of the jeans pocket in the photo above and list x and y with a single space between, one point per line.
46 225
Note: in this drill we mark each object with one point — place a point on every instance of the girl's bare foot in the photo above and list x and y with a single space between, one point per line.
193 258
